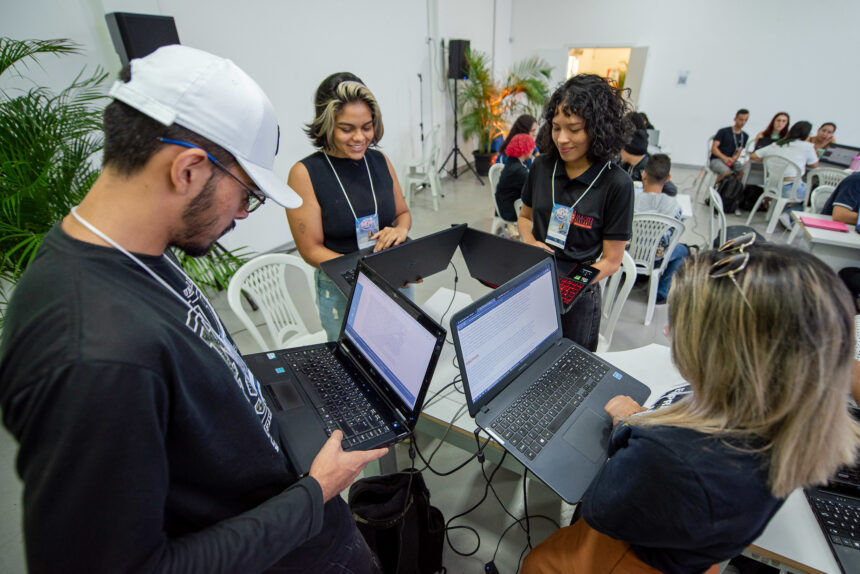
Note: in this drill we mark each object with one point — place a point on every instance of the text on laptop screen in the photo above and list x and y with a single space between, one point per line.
397 345
499 335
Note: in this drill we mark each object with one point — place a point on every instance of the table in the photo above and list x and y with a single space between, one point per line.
836 248
792 540
686 203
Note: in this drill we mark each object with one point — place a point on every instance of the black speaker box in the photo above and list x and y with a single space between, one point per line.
458 68
138 35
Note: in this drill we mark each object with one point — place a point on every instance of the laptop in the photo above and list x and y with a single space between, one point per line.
537 394
838 155
341 269
494 260
572 279
370 384
836 506
654 138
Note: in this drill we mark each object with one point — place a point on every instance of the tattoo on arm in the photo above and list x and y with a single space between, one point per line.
302 227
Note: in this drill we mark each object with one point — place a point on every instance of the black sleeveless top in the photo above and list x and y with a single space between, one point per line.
338 222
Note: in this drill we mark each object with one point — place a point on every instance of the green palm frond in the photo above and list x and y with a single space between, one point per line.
17 55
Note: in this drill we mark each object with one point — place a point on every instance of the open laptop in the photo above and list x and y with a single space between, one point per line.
838 155
371 383
537 394
836 506
572 279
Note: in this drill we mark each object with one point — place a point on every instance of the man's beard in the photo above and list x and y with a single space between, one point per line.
199 219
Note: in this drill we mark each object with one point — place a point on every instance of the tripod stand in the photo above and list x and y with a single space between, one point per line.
455 151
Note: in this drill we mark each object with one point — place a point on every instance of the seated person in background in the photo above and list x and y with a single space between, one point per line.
844 202
634 158
797 150
692 484
525 124
729 143
776 129
641 121
514 175
824 137
653 200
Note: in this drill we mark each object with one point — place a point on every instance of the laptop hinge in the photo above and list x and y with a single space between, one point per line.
379 393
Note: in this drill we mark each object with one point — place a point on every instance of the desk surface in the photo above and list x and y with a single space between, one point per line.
825 236
792 537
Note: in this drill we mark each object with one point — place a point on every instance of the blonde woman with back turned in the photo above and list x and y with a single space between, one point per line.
764 334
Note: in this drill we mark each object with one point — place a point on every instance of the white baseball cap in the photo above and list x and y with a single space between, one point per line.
212 97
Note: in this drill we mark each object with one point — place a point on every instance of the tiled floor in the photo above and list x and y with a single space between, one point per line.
464 201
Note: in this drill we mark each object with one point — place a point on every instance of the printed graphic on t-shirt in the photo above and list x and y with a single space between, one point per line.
197 320
581 220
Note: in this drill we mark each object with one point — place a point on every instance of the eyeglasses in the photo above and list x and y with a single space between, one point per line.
735 260
254 197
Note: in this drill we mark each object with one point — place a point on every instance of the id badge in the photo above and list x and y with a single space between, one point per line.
365 228
559 225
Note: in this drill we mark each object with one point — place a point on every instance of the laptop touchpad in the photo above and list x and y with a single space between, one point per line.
589 435
287 395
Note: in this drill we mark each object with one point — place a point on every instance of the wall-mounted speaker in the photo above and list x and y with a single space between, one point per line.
138 35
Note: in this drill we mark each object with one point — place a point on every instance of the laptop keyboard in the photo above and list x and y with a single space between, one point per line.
535 416
839 517
568 289
344 406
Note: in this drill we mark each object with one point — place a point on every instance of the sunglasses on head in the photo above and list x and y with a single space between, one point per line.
734 260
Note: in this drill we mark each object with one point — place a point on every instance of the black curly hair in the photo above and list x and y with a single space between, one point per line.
603 108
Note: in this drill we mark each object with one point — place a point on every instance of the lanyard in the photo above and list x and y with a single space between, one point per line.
220 334
590 185
348 202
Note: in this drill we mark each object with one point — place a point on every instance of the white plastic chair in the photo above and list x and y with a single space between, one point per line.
826 176
615 292
426 173
774 179
648 230
706 171
819 197
498 222
264 279
722 232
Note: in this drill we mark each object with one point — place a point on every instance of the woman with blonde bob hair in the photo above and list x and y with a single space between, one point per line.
764 334
351 198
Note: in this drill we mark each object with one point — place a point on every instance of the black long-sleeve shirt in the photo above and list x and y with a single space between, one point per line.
145 445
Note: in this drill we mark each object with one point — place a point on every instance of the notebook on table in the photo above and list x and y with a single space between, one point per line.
537 394
370 383
824 224
836 506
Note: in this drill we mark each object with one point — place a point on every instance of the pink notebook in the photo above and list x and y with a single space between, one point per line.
824 224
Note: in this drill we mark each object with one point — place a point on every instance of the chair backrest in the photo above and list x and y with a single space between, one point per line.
617 288
708 156
493 175
825 176
648 231
820 196
774 175
264 279
718 214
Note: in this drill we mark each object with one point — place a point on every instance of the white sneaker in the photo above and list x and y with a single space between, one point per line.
786 221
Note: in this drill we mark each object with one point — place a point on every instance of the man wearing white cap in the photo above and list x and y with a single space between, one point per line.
145 445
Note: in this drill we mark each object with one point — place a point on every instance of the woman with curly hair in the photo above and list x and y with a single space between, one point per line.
576 204
763 333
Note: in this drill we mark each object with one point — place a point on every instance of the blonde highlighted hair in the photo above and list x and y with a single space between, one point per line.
771 366
329 103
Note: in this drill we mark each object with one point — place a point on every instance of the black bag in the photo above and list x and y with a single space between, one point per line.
751 195
394 515
731 190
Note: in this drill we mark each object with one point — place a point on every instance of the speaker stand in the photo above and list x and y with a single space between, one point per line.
455 151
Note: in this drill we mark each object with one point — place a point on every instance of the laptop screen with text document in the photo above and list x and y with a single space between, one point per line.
391 340
504 332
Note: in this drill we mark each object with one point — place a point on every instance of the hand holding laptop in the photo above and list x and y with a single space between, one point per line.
622 406
335 469
388 236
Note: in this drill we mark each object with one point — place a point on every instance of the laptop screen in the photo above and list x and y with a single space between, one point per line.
839 155
504 331
391 340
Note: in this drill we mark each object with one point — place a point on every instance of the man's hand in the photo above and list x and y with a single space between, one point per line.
622 406
389 236
335 469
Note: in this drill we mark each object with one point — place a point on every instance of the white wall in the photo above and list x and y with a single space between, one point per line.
767 56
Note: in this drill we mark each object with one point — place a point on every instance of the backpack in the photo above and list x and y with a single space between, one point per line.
394 516
751 195
731 190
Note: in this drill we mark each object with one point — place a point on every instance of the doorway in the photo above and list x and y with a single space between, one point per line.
625 66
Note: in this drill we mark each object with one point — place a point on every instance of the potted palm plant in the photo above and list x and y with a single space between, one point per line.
486 104
47 146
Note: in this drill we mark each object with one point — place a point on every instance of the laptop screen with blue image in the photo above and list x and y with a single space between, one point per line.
391 340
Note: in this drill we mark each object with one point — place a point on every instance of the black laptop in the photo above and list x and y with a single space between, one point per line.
341 269
836 506
838 155
371 383
537 394
573 278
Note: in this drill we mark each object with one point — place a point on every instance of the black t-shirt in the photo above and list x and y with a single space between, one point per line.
730 141
682 499
606 212
510 187
337 219
144 442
